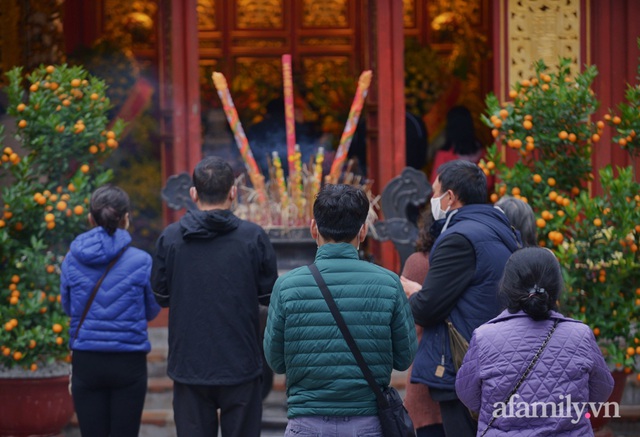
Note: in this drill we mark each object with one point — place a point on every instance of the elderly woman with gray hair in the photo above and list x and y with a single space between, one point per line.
521 217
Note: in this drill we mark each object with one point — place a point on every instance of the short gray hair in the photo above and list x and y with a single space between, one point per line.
521 217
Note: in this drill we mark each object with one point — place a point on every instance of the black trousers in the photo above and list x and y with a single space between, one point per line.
436 430
108 391
195 409
456 419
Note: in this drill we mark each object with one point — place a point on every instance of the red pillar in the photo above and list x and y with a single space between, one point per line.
500 49
179 101
83 21
386 148
179 97
612 47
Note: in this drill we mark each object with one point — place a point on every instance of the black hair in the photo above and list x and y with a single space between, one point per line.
521 217
108 207
426 239
213 179
459 132
275 107
340 211
532 282
467 181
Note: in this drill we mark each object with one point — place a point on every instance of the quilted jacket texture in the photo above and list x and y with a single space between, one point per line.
571 365
117 318
303 340
493 241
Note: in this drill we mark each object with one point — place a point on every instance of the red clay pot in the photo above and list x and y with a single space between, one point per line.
619 382
34 407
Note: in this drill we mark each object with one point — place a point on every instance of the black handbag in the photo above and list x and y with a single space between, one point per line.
458 344
394 418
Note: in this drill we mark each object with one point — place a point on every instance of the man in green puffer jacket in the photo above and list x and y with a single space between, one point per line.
326 389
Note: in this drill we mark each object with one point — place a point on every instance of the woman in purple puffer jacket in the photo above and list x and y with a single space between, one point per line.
569 381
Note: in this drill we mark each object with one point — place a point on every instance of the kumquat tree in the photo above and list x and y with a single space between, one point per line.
62 129
548 121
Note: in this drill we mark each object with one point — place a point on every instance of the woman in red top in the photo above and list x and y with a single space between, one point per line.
460 142
424 411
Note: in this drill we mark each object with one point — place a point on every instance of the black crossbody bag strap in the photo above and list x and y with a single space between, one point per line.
382 401
526 372
95 291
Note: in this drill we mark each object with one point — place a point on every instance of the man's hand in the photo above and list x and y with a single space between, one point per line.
410 287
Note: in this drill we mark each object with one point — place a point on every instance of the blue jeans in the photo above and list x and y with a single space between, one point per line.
334 426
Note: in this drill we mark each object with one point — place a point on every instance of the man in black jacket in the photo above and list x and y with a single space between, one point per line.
211 269
465 265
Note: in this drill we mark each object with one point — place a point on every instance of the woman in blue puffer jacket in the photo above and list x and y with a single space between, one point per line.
109 379
569 381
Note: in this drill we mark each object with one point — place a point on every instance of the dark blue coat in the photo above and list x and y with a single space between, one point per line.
493 240
117 318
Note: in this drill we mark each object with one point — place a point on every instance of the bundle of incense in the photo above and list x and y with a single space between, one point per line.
280 182
272 173
255 175
348 175
317 171
350 127
298 165
289 116
272 185
295 180
309 191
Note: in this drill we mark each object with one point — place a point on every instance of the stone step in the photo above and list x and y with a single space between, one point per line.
159 394
631 394
157 358
157 363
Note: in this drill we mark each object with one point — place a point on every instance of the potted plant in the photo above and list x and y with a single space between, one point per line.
61 121
595 238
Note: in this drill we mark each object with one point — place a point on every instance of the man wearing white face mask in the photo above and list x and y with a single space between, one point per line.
327 392
466 263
